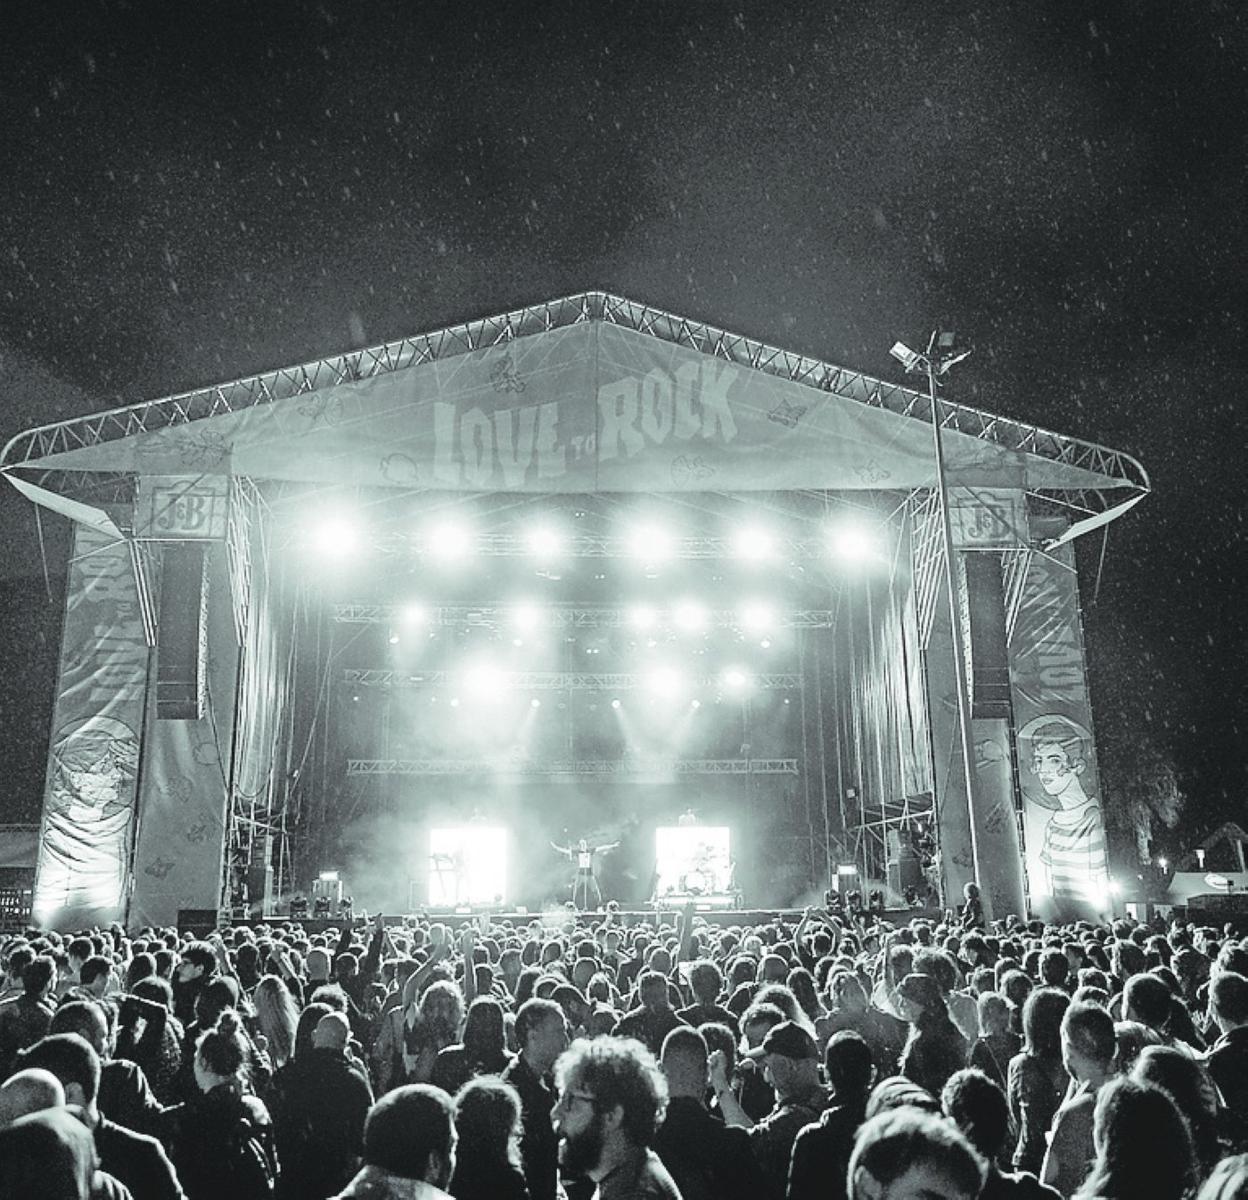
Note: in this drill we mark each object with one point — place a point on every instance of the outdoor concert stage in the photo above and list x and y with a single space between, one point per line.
585 570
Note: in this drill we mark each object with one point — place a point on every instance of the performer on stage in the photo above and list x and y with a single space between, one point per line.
584 882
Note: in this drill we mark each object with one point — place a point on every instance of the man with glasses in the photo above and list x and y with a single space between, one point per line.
612 1097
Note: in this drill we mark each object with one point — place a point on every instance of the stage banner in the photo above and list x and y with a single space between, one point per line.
86 833
182 508
1064 830
181 843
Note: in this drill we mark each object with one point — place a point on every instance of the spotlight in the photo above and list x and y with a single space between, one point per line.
754 544
526 617
615 704
484 681
755 618
690 616
394 639
1115 888
650 544
415 614
544 542
735 679
336 538
535 703
853 542
454 701
449 541
641 617
695 703
665 682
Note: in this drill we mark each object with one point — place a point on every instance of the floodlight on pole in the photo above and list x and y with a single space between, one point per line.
934 363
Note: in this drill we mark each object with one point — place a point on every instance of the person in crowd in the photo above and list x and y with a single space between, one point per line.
50 1155
134 1159
431 1025
612 1098
320 1104
149 1035
487 1162
409 1147
31 1089
654 1017
24 1020
790 1060
542 1036
996 1045
1187 1082
706 981
935 1047
977 1105
907 1154
1143 1147
707 1159
818 1169
482 1052
1037 1078
196 968
1228 1056
221 1141
277 1019
1089 1051
1227 1181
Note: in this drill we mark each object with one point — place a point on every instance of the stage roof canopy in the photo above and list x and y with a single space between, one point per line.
588 393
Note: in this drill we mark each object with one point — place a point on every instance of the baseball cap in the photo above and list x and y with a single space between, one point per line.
788 1038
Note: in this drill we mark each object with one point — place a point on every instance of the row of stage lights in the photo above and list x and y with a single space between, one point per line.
452 540
687 616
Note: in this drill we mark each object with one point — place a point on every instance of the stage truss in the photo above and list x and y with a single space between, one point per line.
625 768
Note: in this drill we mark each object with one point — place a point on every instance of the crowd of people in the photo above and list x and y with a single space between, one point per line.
589 1055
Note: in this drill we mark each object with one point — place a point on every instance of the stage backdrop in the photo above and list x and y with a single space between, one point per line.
87 832
1064 829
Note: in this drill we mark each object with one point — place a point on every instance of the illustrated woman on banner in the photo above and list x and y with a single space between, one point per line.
1073 850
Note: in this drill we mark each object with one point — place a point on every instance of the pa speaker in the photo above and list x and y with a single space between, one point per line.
182 633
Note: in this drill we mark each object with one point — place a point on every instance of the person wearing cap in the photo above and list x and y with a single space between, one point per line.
935 1048
790 1061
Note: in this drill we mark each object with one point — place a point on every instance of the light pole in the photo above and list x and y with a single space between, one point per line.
935 363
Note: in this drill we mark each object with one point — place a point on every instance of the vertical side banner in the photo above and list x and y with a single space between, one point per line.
181 839
1067 869
89 801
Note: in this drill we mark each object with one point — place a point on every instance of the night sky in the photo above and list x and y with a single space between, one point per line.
191 193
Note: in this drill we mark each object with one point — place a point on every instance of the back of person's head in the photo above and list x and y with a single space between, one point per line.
1143 1147
80 948
683 1060
1228 996
617 1072
223 1049
896 1144
487 1119
1187 1082
847 1063
1227 1181
899 1092
485 1033
979 1108
94 968
32 1089
70 1058
847 994
1054 967
532 1014
85 1018
410 1132
1042 1021
47 1155
940 966
1147 999
719 1037
761 1015
38 974
1089 1030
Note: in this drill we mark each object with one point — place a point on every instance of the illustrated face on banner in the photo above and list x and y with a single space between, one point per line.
1058 771
96 760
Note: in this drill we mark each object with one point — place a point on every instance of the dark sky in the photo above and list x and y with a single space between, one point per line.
190 193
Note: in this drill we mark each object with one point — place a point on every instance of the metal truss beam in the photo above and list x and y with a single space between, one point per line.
551 681
595 768
560 616
855 386
506 545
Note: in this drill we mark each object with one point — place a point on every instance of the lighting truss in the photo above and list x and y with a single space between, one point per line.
560 616
1118 468
506 545
552 681
596 768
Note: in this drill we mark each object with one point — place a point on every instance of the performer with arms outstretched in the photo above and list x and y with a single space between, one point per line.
584 882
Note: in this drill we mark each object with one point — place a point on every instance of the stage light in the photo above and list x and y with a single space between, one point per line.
615 704
467 866
642 617
526 617
415 614
454 701
484 681
695 703
535 703
690 616
394 639
756 617
449 540
328 876
1162 863
336 538
735 679
545 542
853 542
1115 888
665 682
754 544
846 869
650 544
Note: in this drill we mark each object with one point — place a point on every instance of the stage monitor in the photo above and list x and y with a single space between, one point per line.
467 866
692 861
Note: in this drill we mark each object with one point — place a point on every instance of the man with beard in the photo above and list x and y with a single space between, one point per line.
612 1097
